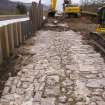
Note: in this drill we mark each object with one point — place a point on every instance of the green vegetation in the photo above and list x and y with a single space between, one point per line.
21 8
7 12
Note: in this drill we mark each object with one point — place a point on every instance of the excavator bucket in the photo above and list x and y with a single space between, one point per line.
51 14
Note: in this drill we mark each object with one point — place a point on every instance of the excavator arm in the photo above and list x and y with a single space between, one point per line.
52 9
53 5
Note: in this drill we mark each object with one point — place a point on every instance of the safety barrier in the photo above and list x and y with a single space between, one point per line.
14 32
12 35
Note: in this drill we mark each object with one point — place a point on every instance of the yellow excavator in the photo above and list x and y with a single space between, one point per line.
98 37
68 8
101 20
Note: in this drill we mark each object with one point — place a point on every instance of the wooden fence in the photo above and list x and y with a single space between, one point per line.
36 16
14 34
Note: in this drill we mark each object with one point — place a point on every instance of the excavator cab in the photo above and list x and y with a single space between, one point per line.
101 20
70 9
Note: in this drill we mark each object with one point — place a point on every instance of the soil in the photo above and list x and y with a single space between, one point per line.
82 24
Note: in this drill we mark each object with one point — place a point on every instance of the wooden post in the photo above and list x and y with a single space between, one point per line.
29 28
26 29
25 25
16 37
5 42
38 16
11 38
41 14
22 28
1 56
34 17
23 31
20 33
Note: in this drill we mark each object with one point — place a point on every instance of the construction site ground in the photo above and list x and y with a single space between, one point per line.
55 67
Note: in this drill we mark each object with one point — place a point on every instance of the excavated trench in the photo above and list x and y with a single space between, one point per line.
56 67
83 25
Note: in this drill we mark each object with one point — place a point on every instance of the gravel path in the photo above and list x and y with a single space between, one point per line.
62 71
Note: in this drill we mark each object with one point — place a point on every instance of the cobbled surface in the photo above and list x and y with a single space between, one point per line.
63 71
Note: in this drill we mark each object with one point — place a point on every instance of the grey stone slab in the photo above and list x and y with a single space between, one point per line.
52 80
67 82
6 90
38 96
53 91
100 102
62 99
96 83
48 101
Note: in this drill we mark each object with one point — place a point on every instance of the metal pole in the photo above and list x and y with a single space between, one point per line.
39 2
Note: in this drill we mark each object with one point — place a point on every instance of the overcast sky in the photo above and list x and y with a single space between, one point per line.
47 2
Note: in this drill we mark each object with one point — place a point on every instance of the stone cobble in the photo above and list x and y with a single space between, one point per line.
62 71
